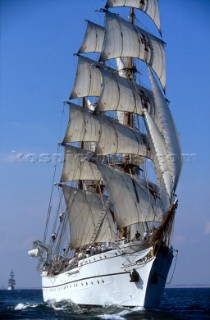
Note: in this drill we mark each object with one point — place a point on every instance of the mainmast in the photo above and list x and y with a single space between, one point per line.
130 72
80 182
131 68
128 116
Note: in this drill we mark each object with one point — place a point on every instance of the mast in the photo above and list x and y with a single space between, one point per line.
130 72
130 59
80 182
128 115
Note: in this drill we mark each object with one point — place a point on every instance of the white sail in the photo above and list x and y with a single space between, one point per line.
111 136
120 94
161 162
165 124
107 230
148 6
122 39
115 92
82 125
77 167
132 202
93 39
86 215
88 79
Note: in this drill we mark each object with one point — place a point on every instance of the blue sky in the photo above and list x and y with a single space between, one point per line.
38 39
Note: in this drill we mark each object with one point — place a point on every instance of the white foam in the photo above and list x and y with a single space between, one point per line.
120 315
138 309
22 306
111 317
57 308
62 305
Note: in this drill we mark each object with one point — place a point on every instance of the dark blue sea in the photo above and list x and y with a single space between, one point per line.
177 304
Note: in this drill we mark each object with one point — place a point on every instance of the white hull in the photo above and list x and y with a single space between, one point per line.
104 279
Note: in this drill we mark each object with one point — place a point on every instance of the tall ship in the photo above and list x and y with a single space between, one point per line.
108 241
11 281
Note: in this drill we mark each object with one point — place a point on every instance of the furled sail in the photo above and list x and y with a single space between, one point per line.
77 167
148 6
122 39
111 136
87 217
166 126
132 202
93 39
161 162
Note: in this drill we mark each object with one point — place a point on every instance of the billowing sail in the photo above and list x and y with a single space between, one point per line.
82 126
122 39
111 137
166 126
120 94
93 42
107 230
114 92
93 39
88 79
162 165
77 167
86 217
132 202
148 6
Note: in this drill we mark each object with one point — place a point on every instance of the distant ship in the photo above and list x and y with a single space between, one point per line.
11 281
109 240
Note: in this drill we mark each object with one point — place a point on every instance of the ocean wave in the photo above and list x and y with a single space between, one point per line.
62 305
22 306
111 317
120 315
177 304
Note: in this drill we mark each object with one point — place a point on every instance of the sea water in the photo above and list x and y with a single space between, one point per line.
177 304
